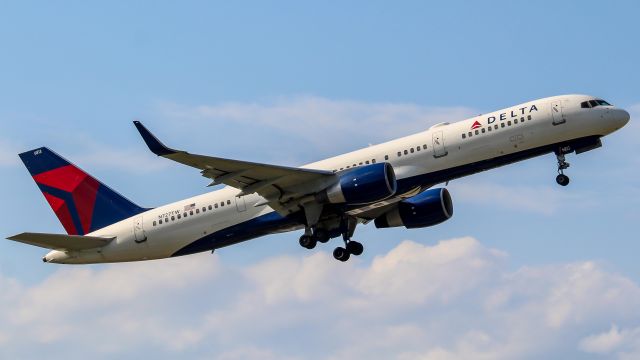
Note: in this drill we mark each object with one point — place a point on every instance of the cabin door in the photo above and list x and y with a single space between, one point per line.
240 204
138 230
439 150
557 114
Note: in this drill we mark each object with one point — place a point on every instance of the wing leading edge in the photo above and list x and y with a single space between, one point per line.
283 187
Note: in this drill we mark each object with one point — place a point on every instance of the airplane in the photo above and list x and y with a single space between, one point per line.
391 184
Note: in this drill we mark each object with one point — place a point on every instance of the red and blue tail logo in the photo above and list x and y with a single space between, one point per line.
81 203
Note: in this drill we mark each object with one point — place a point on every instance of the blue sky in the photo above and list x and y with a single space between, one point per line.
290 83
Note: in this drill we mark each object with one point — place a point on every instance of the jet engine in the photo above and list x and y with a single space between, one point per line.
361 185
428 208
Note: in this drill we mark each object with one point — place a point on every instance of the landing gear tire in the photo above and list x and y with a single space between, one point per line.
562 180
341 254
355 248
321 235
307 242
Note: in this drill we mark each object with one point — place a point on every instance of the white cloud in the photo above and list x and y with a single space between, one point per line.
454 300
619 343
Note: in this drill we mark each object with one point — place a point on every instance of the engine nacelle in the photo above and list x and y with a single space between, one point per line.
425 209
361 185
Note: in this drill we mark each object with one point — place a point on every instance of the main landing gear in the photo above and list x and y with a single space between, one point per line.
562 179
310 239
313 236
351 248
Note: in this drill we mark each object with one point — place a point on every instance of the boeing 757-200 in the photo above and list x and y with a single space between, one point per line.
391 184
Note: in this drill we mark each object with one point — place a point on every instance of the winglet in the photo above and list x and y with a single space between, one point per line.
155 145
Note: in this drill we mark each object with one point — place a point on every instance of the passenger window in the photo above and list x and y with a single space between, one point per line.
191 212
424 147
184 215
470 133
399 154
341 169
483 130
160 221
222 204
373 161
154 223
411 150
228 202
509 123
477 132
197 211
406 152
502 125
360 163
528 117
418 148
204 209
367 162
210 207
354 165
464 136
495 126
215 205
489 128
515 121
173 218
386 157
179 216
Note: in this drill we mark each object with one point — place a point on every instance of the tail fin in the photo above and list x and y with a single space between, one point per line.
82 203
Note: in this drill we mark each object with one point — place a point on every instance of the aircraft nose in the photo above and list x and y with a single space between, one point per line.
621 116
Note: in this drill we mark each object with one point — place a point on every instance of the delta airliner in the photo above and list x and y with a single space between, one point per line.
391 184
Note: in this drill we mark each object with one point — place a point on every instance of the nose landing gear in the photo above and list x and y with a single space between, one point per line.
562 179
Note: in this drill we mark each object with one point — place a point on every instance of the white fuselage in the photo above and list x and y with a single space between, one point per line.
513 130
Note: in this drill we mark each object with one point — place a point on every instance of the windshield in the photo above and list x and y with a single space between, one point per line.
593 103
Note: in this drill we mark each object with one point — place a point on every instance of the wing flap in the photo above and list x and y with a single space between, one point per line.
61 241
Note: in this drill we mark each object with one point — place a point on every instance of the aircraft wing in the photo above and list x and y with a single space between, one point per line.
61 241
278 184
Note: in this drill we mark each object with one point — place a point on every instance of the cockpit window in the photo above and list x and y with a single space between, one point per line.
593 103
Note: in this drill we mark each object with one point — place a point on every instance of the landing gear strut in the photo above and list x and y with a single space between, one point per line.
562 179
313 235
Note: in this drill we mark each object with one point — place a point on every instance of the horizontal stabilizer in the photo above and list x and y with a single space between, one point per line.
61 241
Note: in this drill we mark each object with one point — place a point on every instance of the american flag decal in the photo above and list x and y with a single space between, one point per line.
189 207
